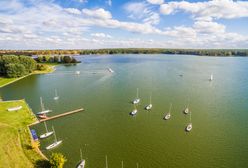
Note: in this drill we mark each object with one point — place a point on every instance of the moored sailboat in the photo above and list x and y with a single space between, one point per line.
168 115
149 107
82 161
134 112
189 126
56 97
47 134
137 100
55 143
211 77
43 111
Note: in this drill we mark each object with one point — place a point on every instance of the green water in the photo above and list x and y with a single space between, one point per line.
219 110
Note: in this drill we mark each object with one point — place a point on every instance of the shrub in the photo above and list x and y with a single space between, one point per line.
15 70
57 160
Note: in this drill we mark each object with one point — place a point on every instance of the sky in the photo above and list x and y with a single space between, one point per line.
92 24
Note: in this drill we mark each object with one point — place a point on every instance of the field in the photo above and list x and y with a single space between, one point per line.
15 144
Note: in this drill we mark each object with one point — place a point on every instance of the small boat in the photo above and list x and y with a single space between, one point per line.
168 115
43 111
82 161
110 70
134 112
189 126
42 116
15 108
211 77
55 143
77 72
47 134
149 107
137 100
56 97
186 110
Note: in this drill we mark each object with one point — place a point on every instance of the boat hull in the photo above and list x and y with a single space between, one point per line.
136 101
53 145
44 112
149 107
189 127
81 164
46 135
167 117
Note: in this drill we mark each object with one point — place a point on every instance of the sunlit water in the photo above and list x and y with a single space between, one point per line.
219 110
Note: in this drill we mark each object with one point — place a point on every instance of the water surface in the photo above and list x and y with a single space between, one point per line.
219 110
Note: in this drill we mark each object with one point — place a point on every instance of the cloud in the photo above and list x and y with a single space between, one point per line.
141 11
156 2
97 13
81 1
100 35
73 11
208 10
56 27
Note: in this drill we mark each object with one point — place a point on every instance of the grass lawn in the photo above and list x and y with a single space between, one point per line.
4 81
15 143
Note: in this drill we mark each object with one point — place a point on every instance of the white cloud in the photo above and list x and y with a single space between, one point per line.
156 2
57 27
81 1
73 11
100 35
208 10
141 11
97 13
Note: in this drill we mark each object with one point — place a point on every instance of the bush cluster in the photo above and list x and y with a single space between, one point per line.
12 66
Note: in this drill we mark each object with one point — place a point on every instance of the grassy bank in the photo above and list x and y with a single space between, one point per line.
6 81
15 143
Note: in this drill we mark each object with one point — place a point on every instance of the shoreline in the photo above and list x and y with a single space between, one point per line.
51 70
26 150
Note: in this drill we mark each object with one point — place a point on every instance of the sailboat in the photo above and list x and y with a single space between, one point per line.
43 111
134 111
186 110
149 107
168 115
56 97
55 143
189 126
137 100
106 159
211 77
82 161
47 134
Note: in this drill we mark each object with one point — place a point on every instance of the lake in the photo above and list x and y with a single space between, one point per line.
219 110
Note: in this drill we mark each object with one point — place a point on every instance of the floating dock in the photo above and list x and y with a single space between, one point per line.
62 115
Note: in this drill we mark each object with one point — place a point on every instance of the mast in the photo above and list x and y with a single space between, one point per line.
41 104
151 99
45 126
122 165
56 95
137 93
55 138
81 155
106 161
137 165
170 108
190 117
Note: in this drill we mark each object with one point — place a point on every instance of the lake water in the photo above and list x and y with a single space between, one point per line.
219 110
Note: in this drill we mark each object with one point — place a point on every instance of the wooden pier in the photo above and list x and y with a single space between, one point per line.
62 115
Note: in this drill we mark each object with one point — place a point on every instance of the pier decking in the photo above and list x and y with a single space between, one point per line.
62 115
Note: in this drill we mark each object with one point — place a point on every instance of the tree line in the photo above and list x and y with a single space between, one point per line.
13 66
200 52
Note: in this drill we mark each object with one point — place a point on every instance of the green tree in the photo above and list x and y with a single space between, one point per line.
67 59
15 70
28 62
57 160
